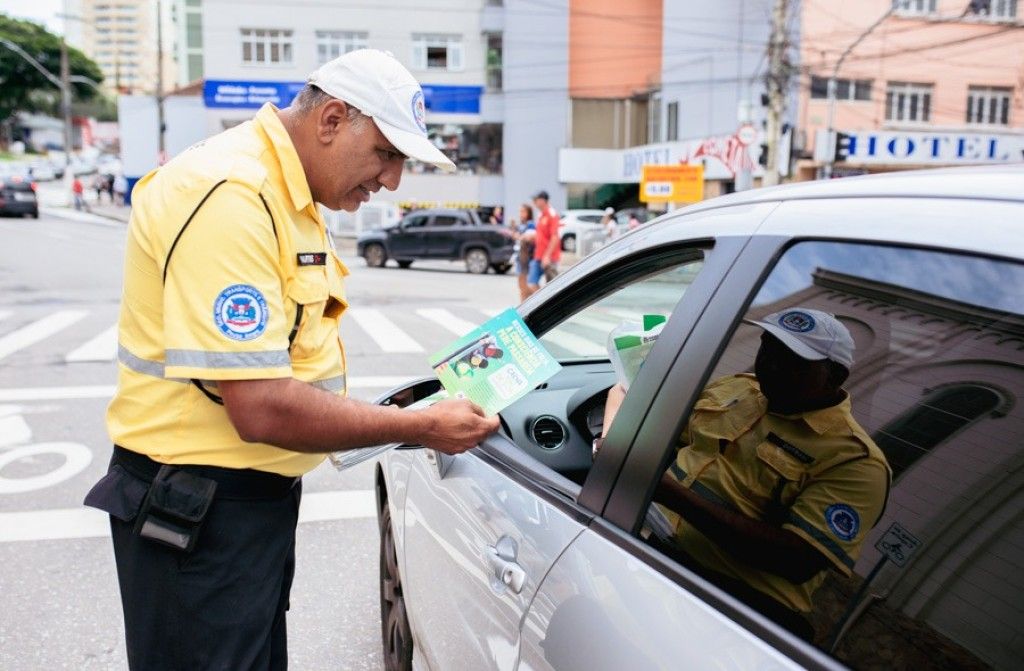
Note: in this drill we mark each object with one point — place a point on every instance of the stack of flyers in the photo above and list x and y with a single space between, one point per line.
495 364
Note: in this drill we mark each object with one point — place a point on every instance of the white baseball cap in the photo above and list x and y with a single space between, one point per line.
379 86
811 334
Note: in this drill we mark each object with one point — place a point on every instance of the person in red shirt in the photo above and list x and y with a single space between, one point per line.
78 192
548 245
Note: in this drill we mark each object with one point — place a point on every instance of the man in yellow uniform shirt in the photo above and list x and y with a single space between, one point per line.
232 372
775 480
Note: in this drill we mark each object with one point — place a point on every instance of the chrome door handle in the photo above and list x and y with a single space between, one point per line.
506 572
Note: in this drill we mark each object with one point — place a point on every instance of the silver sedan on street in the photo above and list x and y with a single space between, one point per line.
533 551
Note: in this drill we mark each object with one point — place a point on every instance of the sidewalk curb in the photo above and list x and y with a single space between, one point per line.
76 215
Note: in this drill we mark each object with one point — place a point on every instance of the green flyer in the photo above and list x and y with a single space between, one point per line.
495 364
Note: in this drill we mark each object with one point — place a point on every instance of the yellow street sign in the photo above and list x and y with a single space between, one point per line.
672 184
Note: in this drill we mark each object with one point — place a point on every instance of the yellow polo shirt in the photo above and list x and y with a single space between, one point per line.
252 290
817 474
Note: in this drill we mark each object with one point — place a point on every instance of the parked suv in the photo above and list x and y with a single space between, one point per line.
440 234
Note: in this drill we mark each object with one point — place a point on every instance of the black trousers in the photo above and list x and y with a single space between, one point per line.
221 606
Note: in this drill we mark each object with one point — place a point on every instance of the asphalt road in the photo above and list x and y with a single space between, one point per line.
59 290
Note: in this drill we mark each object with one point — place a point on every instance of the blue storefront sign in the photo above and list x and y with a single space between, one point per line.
229 94
452 99
248 95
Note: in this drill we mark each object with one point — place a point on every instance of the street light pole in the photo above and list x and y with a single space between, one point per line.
65 98
160 77
832 83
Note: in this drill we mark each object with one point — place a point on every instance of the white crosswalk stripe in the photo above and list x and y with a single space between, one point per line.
383 331
447 320
393 331
101 348
38 330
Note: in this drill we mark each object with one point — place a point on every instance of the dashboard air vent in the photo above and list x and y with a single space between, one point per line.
548 432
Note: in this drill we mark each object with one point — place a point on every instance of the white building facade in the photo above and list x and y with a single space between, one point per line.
256 53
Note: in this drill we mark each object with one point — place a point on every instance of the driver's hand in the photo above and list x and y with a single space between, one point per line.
456 425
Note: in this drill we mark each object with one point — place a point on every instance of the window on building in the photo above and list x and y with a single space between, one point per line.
672 122
265 46
908 102
437 52
914 7
937 417
988 105
473 149
195 67
846 89
494 61
333 43
993 10
194 30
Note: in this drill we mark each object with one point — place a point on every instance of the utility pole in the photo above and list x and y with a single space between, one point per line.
160 77
778 86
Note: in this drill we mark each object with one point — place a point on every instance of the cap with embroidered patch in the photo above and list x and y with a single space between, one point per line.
811 334
379 86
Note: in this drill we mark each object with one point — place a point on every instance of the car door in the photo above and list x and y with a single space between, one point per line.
407 240
481 530
478 540
442 236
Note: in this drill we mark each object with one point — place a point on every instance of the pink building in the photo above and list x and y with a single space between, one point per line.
935 82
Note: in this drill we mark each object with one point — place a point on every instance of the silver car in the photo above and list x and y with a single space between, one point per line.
529 553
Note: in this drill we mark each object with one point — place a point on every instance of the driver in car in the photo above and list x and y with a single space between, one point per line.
774 480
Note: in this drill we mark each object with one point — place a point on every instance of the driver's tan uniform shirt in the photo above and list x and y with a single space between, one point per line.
817 474
253 290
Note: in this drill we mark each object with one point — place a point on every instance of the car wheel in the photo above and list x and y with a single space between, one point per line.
404 264
477 261
396 633
35 214
569 244
375 255
500 268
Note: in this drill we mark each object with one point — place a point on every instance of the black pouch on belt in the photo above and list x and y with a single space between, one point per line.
175 507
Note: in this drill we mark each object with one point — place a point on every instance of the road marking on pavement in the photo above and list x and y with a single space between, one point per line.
76 458
64 523
384 332
575 344
38 330
4 314
106 391
101 348
446 319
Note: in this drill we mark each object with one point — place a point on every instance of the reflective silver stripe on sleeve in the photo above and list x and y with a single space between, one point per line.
194 358
137 364
331 384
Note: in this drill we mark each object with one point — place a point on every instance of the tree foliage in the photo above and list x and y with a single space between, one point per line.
21 84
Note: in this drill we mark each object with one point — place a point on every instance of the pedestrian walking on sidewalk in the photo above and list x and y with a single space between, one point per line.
78 194
231 382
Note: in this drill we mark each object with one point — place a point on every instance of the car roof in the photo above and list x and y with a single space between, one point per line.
995 182
936 208
436 210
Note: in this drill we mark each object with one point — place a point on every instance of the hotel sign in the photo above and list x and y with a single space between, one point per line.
924 148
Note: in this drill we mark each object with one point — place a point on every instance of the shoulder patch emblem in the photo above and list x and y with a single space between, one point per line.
240 312
843 521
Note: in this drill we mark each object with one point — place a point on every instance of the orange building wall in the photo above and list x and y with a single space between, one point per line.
614 47
973 53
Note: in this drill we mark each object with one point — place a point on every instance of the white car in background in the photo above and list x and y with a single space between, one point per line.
576 224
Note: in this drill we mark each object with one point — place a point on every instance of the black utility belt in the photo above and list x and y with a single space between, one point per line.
232 483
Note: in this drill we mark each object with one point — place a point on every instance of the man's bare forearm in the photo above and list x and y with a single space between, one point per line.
296 416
